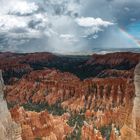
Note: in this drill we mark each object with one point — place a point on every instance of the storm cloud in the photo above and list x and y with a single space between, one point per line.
66 26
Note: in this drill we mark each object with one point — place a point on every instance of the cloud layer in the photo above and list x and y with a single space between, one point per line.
92 22
65 26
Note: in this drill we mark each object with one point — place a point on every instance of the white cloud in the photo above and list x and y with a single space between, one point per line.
91 26
8 22
21 7
91 22
95 36
126 9
21 22
68 38
92 30
17 14
37 22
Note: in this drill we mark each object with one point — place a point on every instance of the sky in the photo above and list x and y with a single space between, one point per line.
69 26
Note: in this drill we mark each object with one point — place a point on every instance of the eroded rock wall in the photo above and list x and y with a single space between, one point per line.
9 130
136 108
132 131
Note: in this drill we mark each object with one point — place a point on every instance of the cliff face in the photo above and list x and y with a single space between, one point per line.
9 130
16 65
132 130
137 91
120 59
136 108
113 64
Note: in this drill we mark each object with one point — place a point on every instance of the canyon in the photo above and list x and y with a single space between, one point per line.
53 97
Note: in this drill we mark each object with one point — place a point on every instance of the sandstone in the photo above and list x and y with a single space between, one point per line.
105 97
132 131
9 130
41 125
